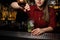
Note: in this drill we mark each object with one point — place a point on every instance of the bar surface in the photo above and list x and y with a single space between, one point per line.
26 35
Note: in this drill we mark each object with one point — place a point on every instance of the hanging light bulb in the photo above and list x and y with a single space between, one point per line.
53 2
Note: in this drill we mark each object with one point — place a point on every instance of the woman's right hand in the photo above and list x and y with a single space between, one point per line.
27 7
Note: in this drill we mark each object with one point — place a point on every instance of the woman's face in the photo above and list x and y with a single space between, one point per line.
39 2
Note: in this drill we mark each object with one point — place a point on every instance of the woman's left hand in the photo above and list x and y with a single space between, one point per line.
37 31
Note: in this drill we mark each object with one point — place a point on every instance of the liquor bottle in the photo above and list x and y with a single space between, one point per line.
22 3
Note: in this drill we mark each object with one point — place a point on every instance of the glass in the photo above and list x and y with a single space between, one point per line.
30 25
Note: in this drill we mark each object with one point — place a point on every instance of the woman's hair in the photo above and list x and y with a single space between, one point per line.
44 4
46 11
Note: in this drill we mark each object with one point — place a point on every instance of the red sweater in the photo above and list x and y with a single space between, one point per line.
36 15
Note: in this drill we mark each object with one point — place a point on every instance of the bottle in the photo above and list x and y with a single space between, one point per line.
30 25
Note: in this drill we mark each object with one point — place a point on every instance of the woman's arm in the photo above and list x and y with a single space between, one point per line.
51 26
39 31
15 5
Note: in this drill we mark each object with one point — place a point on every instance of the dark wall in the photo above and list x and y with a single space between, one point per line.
6 1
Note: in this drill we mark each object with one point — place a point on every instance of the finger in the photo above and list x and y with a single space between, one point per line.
34 33
38 33
27 6
24 10
41 32
33 30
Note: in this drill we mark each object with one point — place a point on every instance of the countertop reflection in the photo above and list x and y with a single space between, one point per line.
26 35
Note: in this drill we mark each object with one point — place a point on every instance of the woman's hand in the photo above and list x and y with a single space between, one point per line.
27 7
37 31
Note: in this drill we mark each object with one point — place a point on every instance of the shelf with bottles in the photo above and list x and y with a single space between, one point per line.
54 4
8 13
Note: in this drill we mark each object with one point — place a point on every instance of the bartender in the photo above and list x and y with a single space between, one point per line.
21 16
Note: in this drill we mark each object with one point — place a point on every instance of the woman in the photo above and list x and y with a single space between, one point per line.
43 17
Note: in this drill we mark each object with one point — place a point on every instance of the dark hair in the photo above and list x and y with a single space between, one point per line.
45 4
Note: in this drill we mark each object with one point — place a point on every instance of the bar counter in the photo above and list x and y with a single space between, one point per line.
12 35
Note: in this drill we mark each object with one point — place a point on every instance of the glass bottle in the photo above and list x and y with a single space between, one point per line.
30 25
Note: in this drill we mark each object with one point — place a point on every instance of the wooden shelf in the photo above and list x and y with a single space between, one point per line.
55 7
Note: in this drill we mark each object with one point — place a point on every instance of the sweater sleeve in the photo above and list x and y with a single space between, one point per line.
52 21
